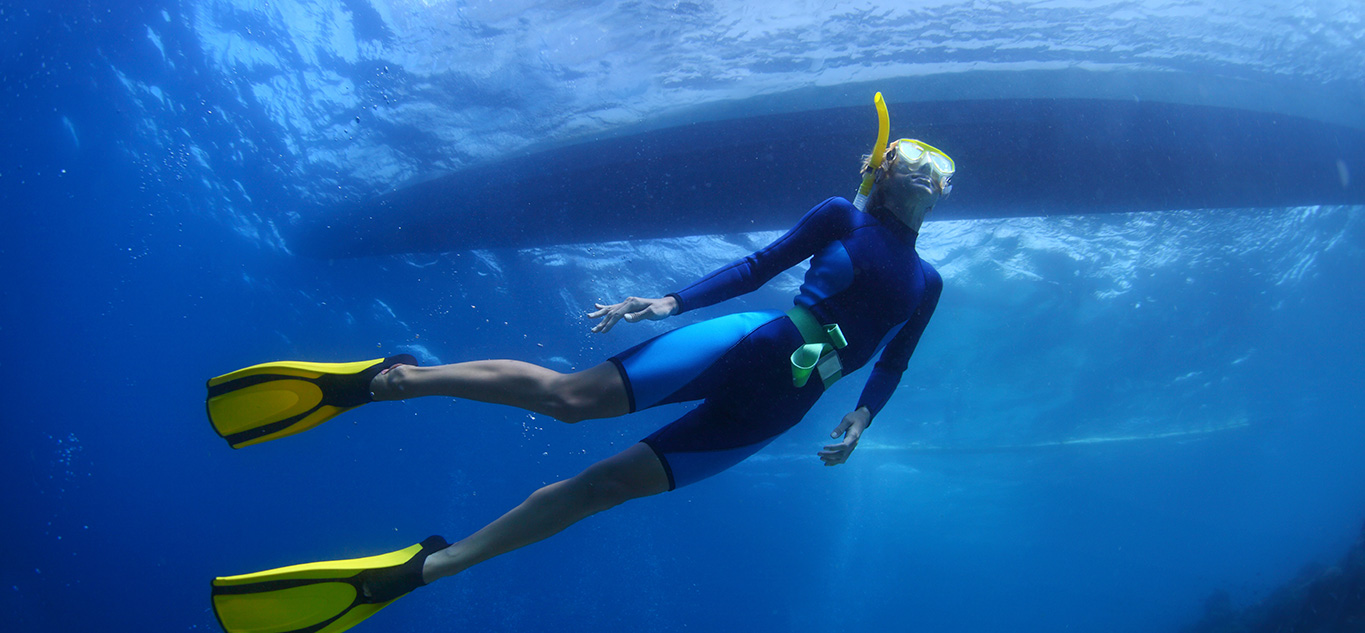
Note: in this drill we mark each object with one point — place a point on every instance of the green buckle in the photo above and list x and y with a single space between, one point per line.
836 336
819 352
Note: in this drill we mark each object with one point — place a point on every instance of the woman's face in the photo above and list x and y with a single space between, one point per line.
911 192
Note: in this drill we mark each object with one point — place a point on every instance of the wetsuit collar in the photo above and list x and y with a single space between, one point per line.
900 230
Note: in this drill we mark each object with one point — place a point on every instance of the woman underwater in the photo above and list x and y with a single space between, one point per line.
756 373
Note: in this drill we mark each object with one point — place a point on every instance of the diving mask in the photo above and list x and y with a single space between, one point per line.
912 154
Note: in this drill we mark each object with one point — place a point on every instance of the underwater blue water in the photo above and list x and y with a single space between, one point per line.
1110 416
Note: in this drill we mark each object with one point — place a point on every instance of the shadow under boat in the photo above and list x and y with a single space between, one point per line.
1016 157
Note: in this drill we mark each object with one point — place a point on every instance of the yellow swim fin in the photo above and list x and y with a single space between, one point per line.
325 597
271 400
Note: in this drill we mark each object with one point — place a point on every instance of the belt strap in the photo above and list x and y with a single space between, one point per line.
819 352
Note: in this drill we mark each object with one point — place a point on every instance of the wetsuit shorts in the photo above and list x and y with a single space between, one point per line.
740 367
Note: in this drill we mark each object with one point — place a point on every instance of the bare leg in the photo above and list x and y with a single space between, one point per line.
598 392
630 474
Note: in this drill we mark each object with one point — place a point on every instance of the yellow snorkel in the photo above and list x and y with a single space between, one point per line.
878 151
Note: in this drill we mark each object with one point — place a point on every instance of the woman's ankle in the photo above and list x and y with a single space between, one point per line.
390 384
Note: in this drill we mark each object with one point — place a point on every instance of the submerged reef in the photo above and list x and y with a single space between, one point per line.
1320 599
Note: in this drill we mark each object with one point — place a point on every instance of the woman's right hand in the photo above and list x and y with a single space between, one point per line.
632 309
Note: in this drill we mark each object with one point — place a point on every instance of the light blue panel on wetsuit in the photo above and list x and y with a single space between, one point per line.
667 363
831 271
691 467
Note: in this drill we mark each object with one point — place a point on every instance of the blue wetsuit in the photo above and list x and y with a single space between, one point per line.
865 276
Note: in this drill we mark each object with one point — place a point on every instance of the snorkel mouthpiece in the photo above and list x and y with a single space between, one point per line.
878 151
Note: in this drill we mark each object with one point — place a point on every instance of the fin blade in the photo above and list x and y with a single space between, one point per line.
354 616
284 428
288 610
322 570
323 597
294 368
273 400
255 405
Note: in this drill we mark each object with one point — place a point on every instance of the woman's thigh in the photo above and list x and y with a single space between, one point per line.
633 473
693 362
597 392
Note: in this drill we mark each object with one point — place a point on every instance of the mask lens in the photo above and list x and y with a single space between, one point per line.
943 163
910 153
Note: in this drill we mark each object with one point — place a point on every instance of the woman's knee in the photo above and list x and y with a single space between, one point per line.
560 399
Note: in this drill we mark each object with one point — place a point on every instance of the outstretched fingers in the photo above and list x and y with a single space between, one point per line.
632 309
610 314
836 454
608 320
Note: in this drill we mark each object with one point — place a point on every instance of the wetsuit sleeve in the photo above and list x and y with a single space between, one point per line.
886 374
818 227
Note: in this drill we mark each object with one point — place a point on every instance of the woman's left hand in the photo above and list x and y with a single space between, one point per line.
632 309
851 428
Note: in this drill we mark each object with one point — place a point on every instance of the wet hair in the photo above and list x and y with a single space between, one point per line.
877 198
888 159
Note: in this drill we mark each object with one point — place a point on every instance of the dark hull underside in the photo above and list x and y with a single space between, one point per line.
1026 157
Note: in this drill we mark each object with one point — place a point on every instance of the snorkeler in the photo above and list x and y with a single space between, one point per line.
756 373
